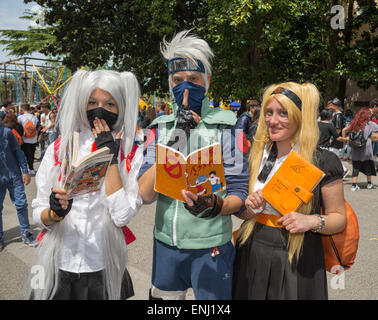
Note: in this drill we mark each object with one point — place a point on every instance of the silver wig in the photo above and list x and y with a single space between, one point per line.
71 117
185 45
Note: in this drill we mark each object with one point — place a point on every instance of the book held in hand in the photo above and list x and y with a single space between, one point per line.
87 174
201 172
292 184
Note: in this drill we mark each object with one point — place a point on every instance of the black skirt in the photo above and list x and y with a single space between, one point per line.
262 270
88 286
366 167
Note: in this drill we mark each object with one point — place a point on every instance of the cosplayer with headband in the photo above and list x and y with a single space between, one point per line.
83 251
200 227
189 72
288 249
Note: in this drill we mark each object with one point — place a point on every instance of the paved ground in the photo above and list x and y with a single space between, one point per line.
360 282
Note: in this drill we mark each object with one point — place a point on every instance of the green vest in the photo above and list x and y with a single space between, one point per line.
174 225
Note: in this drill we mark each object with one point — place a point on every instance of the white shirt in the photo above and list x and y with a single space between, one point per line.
43 119
48 123
259 185
81 249
22 119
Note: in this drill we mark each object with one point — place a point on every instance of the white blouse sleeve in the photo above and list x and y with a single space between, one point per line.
46 177
125 203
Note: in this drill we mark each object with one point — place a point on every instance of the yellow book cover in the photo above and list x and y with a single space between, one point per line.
201 172
292 184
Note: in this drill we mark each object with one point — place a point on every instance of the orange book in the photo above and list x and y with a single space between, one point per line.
292 184
201 172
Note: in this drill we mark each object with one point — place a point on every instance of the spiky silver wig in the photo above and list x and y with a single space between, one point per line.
189 46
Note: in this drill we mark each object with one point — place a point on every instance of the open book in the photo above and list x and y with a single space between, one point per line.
292 184
87 174
201 172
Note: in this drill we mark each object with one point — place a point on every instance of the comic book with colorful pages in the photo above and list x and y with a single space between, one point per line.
292 184
87 174
201 172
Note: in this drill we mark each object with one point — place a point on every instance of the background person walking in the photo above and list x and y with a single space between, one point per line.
30 123
12 179
363 157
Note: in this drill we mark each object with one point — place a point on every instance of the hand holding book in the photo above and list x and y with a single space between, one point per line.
255 202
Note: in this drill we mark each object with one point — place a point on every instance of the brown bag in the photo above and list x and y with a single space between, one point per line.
340 249
374 137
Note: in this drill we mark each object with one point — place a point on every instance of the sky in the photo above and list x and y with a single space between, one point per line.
10 13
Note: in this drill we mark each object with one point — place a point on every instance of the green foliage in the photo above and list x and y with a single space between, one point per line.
22 42
256 42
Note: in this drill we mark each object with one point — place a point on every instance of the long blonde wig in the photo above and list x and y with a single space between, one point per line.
307 135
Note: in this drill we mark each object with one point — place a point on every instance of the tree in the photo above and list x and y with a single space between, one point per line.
22 42
256 42
262 42
128 33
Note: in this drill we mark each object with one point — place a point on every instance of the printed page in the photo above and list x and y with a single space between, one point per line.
88 178
205 171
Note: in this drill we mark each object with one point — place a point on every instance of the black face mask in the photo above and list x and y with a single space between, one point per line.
109 117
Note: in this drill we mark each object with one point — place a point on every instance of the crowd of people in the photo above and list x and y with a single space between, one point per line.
83 249
22 130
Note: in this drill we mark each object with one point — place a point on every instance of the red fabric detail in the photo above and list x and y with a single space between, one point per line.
242 142
94 147
130 157
56 152
151 136
129 236
41 235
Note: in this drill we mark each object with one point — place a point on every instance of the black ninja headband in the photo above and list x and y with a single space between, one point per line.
290 94
184 64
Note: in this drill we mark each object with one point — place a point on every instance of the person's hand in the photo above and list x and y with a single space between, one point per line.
104 138
44 130
202 207
26 179
255 202
60 202
296 222
189 197
185 103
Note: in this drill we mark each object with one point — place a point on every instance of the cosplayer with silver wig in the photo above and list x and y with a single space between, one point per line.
192 239
83 253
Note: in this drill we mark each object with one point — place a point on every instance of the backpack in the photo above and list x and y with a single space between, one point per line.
18 137
357 139
30 131
340 249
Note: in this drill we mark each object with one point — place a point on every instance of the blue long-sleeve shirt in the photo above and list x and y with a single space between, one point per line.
12 158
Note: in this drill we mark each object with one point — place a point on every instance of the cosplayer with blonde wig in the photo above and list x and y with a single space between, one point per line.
297 104
85 241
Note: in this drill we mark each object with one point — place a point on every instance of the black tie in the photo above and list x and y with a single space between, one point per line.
268 166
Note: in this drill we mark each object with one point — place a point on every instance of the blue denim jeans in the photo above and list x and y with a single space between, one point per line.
18 197
50 137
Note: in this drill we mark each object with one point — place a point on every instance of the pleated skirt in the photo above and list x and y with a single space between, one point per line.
262 270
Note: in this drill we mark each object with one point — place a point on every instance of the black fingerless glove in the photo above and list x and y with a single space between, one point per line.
57 207
206 207
186 122
105 139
